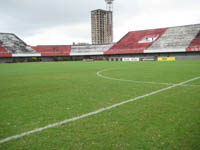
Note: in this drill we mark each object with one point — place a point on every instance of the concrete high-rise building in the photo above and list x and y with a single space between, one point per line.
102 26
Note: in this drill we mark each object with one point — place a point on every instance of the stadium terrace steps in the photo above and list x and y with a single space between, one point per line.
195 44
4 53
53 50
14 45
136 42
175 39
89 49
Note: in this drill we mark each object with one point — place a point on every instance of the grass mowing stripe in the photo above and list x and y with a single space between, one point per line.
92 113
125 80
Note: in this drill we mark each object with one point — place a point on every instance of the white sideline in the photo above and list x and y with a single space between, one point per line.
91 113
125 80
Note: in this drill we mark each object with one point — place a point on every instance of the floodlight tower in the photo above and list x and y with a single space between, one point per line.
109 4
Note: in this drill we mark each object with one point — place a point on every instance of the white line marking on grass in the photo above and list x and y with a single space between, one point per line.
110 78
125 80
191 85
92 113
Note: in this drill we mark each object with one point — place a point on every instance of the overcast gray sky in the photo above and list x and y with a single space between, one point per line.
63 21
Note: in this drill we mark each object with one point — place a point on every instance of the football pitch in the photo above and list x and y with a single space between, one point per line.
100 106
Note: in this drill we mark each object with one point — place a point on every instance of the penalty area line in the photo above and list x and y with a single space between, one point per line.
92 113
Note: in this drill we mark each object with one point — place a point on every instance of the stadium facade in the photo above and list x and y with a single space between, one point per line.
182 42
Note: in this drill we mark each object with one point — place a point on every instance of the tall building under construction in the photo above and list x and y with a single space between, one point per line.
102 26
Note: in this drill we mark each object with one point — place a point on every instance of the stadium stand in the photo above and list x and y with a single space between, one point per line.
135 42
175 39
182 42
53 50
89 49
15 45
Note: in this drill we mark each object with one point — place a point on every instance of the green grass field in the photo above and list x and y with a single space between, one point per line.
34 95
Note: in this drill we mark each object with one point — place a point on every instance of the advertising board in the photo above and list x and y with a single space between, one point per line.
131 59
166 58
